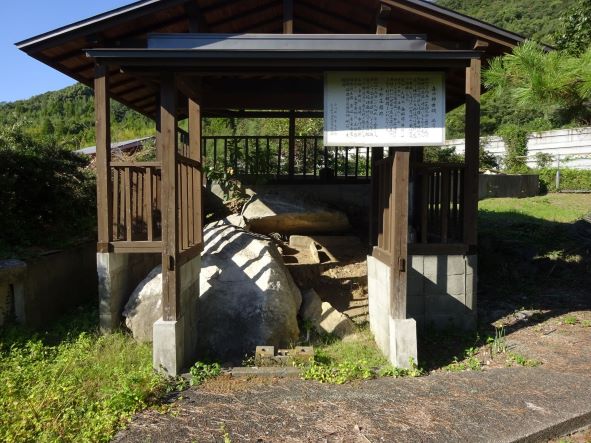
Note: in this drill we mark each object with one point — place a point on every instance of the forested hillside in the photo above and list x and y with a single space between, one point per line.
67 117
537 19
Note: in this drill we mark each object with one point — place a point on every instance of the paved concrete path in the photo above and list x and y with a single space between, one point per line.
499 405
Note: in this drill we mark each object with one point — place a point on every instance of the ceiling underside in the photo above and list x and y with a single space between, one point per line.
65 49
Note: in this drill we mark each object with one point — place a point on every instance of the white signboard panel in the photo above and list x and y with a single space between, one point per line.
384 109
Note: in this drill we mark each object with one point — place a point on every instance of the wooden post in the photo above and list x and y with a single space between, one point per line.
382 18
195 154
158 131
399 235
291 151
377 154
104 188
472 155
170 224
288 16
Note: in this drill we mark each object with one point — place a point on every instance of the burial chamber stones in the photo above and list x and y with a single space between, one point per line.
246 296
291 214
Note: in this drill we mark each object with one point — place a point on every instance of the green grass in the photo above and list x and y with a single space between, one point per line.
564 208
530 246
71 383
355 358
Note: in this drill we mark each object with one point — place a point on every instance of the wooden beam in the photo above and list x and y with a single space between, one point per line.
382 18
196 202
472 154
103 154
195 17
170 219
399 201
190 87
288 16
480 45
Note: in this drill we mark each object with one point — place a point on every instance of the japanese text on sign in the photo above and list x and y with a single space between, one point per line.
384 109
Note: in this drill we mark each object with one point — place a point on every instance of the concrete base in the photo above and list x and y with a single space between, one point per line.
403 343
396 338
168 353
441 291
175 342
441 294
118 275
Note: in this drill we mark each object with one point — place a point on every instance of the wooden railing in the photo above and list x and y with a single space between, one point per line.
189 212
137 204
435 209
438 203
270 156
136 200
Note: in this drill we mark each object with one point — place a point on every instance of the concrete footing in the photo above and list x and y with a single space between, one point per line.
175 342
168 353
118 275
441 293
403 342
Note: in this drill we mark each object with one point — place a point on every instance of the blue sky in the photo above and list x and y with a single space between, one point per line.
22 76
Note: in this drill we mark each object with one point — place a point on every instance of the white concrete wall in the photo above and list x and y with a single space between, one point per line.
571 146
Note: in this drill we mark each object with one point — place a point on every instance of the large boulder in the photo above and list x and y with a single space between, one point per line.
291 214
145 306
248 297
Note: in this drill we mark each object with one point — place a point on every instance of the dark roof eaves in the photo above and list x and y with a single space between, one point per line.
104 17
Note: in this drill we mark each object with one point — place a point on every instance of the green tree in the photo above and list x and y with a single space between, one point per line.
574 33
556 83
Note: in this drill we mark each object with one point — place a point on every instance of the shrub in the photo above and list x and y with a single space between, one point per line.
46 192
570 179
515 138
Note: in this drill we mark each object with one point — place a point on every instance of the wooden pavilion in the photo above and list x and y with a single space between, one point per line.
176 59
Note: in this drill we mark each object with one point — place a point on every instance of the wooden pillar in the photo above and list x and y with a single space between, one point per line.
170 224
291 151
377 154
399 235
158 131
103 157
197 181
382 18
288 16
472 155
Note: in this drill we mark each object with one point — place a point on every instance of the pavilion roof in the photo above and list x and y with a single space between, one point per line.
128 29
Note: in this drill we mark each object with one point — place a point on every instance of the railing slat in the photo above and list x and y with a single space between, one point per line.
128 220
149 198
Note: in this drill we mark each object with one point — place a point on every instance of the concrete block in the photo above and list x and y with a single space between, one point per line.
168 347
456 286
403 342
417 262
471 291
265 351
431 268
456 265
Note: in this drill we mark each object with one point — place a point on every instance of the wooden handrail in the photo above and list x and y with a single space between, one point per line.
120 164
